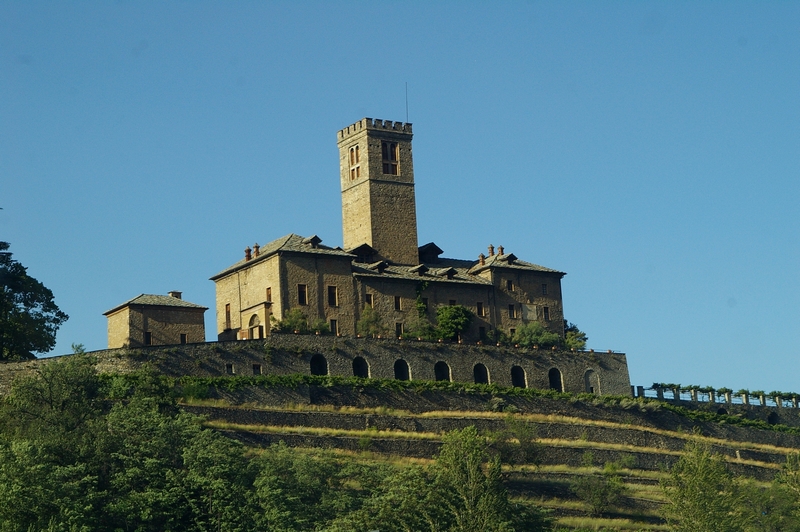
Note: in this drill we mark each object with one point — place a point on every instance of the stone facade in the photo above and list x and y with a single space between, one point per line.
381 264
155 320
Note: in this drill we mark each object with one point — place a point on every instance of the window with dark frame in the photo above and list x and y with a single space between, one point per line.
397 303
546 311
148 338
398 329
183 338
368 300
229 369
512 332
334 327
227 316
302 294
257 369
509 285
544 289
355 159
479 309
512 311
333 296
389 151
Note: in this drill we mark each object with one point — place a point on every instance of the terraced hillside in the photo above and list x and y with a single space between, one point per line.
575 436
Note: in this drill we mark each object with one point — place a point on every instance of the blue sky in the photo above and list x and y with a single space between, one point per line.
649 149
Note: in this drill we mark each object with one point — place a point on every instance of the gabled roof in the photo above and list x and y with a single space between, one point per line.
509 260
289 243
153 300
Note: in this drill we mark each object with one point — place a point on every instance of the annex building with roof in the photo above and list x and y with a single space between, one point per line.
381 264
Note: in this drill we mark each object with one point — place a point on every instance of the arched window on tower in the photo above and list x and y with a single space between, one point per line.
389 151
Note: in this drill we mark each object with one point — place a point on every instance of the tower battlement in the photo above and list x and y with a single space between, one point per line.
373 123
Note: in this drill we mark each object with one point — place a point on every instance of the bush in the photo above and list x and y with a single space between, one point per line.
294 320
452 320
370 323
534 333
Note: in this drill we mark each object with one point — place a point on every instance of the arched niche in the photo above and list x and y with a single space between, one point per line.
442 371
319 365
518 377
480 373
556 382
360 368
401 370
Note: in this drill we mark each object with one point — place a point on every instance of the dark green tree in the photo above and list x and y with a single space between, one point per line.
574 338
534 333
452 320
29 318
370 323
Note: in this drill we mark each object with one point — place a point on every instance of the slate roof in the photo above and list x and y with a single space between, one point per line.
156 301
502 261
290 242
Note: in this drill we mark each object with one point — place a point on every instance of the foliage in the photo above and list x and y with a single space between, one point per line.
574 338
29 317
370 323
452 320
517 443
701 493
294 320
601 491
534 333
320 326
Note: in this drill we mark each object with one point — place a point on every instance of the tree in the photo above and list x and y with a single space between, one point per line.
370 323
294 320
574 338
534 333
29 318
600 491
701 493
452 320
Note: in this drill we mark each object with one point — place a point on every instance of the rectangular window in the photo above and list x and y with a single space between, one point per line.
452 302
512 332
368 300
229 369
227 315
544 289
269 294
479 309
333 296
334 327
148 338
512 311
256 369
509 285
398 329
482 332
546 313
389 152
397 305
302 294
183 338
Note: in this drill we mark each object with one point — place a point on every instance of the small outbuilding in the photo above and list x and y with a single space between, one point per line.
150 319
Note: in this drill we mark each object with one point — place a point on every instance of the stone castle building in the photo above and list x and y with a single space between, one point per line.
149 319
382 265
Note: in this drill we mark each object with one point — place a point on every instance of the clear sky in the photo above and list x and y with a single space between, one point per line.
649 149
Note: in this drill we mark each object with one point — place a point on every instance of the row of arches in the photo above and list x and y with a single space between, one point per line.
443 372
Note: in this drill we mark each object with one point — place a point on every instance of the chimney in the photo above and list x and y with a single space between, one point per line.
175 294
256 247
247 255
500 250
491 250
482 259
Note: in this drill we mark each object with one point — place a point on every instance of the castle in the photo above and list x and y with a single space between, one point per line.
381 267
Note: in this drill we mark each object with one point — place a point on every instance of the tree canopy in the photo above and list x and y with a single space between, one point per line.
29 318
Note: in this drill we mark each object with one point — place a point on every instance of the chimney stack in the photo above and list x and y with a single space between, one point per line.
482 259
491 250
256 247
500 250
175 294
247 255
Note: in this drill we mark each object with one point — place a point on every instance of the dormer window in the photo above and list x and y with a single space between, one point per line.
389 150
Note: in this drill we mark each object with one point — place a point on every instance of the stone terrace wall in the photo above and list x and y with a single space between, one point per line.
289 354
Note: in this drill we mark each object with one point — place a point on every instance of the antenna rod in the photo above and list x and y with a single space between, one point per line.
406 102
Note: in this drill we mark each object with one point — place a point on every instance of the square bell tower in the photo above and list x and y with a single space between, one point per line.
377 178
